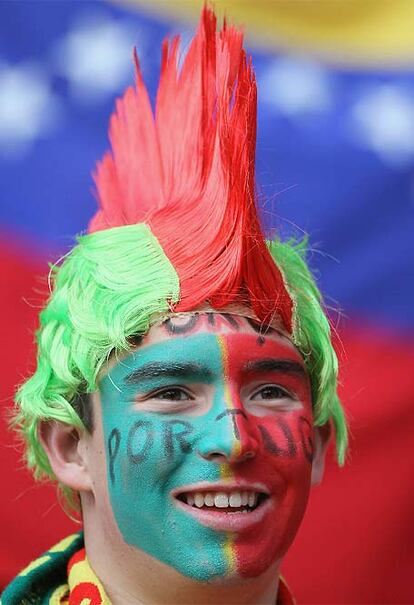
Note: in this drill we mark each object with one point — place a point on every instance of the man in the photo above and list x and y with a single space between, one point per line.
186 382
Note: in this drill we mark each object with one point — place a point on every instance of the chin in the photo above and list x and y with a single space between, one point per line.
219 570
233 577
213 578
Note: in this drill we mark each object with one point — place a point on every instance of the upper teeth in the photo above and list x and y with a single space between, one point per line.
223 499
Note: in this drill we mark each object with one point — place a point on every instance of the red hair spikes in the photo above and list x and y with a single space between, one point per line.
189 174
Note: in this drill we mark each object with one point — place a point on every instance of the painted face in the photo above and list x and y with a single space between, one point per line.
208 433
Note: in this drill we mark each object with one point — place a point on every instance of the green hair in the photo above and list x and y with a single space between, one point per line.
109 289
312 337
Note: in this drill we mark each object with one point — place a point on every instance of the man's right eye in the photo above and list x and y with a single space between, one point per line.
171 394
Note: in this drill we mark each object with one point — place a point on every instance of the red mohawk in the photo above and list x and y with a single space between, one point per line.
189 174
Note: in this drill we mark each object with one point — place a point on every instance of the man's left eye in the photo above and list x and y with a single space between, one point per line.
271 392
172 394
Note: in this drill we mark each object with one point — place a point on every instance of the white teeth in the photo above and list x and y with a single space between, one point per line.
235 499
252 499
209 500
199 500
221 500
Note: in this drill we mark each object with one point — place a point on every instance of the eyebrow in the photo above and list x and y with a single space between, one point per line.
167 370
269 364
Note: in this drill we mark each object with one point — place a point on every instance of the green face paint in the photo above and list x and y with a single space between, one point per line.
151 453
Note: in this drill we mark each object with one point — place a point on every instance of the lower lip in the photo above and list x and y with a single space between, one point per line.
235 522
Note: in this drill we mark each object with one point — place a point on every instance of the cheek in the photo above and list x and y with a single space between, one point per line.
128 444
286 446
287 441
145 460
142 454
133 449
284 465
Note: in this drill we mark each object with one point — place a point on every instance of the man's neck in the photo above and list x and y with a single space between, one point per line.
164 593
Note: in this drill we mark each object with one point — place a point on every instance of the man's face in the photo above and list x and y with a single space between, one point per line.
208 440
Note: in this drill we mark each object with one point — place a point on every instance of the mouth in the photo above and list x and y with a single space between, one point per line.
230 502
224 507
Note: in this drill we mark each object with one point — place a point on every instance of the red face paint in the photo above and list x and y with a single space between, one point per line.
275 443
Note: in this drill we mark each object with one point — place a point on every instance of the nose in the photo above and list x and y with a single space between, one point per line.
231 438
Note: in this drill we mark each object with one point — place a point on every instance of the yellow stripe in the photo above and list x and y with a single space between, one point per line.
225 470
227 395
82 572
60 596
355 32
229 552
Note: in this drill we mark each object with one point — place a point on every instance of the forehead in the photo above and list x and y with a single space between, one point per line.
189 325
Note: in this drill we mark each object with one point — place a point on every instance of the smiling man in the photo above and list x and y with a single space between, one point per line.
186 382
215 420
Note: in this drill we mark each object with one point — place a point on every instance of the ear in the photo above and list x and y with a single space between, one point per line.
66 449
322 435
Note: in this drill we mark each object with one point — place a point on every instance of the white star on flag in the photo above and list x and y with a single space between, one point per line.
383 121
96 55
295 86
28 107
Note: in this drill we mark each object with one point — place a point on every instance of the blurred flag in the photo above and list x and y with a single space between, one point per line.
335 160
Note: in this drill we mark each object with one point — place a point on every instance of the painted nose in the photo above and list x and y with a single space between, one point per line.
231 438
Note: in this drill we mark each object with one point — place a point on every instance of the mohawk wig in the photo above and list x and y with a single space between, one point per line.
189 174
177 228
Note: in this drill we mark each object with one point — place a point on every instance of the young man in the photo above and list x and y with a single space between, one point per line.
186 382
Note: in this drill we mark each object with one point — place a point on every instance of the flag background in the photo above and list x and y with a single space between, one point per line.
335 160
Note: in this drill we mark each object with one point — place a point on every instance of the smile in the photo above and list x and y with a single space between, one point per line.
230 502
224 507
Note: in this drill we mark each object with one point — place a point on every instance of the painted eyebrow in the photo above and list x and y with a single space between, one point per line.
269 364
168 370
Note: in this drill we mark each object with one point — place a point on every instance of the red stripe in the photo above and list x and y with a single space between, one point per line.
76 558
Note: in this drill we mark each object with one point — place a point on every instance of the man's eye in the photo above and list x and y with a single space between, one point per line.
271 392
172 394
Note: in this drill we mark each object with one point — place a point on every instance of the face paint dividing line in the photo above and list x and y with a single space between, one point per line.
233 413
229 553
227 395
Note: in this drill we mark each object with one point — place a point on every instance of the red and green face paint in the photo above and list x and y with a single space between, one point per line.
208 432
